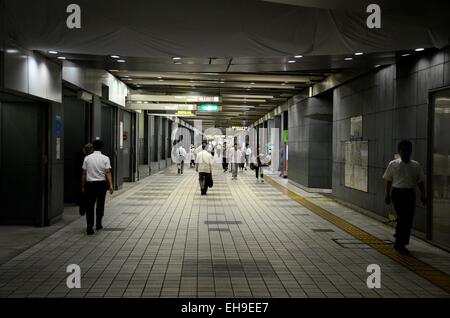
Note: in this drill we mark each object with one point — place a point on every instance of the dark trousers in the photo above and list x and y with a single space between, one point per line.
203 178
259 171
224 164
404 201
96 193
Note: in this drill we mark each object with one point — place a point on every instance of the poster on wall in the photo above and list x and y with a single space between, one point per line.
356 165
356 128
121 135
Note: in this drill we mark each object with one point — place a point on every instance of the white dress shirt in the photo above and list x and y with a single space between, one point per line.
235 156
404 174
95 165
204 161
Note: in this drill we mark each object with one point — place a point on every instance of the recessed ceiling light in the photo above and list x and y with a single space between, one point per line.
121 61
298 56
61 57
406 54
115 56
359 53
161 80
176 58
283 84
348 58
291 61
53 52
252 83
419 49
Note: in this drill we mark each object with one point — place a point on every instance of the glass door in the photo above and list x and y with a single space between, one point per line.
441 169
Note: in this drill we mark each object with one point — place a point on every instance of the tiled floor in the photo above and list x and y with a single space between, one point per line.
245 239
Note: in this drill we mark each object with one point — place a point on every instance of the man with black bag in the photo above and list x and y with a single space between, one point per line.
95 181
204 168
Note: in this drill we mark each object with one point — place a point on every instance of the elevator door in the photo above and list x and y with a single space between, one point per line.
441 169
75 137
22 172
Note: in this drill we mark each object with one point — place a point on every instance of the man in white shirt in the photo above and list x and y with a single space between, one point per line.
181 156
235 158
402 176
204 163
248 155
95 181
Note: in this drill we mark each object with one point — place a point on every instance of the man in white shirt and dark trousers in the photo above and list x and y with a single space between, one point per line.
181 156
95 181
402 176
204 163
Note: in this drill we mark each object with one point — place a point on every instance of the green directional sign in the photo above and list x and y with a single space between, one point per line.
209 108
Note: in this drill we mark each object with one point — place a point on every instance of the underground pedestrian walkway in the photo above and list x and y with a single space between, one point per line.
244 239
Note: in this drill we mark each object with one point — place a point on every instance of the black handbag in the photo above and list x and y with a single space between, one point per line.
210 181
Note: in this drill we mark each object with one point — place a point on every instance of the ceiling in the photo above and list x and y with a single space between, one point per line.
253 54
249 87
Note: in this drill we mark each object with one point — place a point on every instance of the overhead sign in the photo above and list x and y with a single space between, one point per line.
161 106
184 113
209 108
133 98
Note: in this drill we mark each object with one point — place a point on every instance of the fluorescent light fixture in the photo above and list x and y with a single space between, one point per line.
115 56
298 56
61 58
419 49
53 52
406 54
12 51
378 65
121 61
291 61
222 82
176 58
252 83
359 53
348 58
177 63
283 84
161 80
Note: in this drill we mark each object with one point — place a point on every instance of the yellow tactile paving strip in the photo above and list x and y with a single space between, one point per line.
433 275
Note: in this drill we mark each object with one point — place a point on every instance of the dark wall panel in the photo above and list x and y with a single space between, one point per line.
22 181
394 104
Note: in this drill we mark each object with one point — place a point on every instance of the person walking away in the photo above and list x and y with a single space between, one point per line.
87 150
96 180
193 153
401 177
248 155
225 157
181 156
259 161
204 162
235 160
242 160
